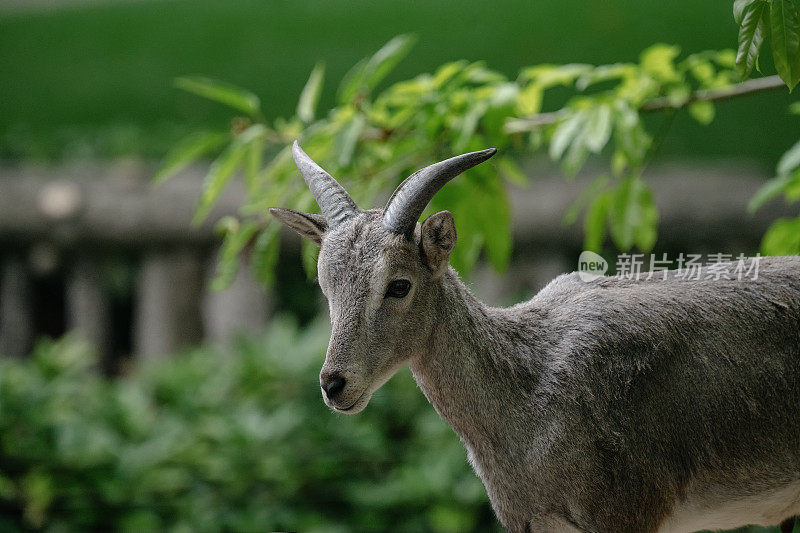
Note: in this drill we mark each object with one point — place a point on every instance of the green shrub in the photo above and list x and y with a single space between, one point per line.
215 440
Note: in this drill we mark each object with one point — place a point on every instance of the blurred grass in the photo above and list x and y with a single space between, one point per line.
97 79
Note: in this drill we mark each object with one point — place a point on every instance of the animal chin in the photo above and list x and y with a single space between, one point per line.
357 406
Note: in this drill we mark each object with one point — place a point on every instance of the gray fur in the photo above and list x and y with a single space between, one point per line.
594 406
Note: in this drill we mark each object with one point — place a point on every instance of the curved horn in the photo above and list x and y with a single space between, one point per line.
412 196
334 202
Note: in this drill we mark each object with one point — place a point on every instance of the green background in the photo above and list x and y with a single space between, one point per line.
240 439
97 79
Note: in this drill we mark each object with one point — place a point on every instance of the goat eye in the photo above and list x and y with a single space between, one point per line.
398 288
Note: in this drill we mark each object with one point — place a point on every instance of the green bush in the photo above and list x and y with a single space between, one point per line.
216 440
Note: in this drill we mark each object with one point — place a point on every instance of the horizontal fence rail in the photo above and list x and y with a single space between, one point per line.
67 233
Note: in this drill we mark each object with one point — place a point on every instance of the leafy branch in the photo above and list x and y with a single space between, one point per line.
781 21
664 103
372 139
605 117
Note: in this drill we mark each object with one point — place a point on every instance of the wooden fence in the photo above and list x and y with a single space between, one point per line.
100 251
66 234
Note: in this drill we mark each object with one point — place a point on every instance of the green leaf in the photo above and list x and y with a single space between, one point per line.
38 487
703 71
529 100
467 250
782 238
511 171
469 124
604 73
632 141
785 25
633 215
347 140
221 92
384 60
726 58
576 155
772 188
265 254
253 138
309 253
237 236
646 230
351 83
188 151
594 225
589 192
255 157
368 72
678 95
447 72
790 160
598 128
751 37
739 7
622 213
218 176
307 104
478 74
565 133
659 60
702 112
551 75
792 191
495 223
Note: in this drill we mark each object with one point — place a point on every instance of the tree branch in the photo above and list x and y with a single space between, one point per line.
724 93
517 125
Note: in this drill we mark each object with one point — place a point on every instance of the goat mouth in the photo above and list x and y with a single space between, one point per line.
352 406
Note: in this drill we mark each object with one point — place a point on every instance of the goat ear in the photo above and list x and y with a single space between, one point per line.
438 239
308 225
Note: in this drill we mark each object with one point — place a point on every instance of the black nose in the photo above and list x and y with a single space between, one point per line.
333 384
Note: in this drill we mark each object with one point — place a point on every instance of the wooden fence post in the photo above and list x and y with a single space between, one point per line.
241 308
167 316
16 314
87 304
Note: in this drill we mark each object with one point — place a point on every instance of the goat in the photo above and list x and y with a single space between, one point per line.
608 405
